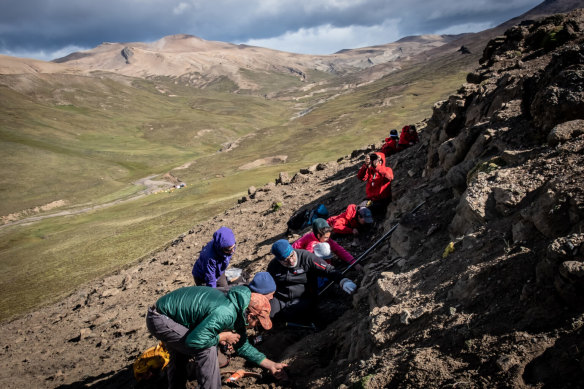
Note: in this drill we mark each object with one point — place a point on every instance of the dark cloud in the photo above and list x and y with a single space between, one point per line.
34 25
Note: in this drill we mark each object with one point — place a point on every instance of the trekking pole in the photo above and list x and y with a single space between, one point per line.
312 326
373 246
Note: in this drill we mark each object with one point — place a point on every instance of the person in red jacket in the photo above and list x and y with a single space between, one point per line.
408 137
390 145
355 220
378 188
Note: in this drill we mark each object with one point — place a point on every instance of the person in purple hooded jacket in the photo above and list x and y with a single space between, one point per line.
209 269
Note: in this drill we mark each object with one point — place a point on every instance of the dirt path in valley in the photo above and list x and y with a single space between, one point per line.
151 186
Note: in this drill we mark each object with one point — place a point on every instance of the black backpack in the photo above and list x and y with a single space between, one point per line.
303 219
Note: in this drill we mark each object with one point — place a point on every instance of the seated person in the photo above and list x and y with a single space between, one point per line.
391 144
321 232
295 272
408 137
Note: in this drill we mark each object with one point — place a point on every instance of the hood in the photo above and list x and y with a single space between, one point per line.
381 156
239 296
223 237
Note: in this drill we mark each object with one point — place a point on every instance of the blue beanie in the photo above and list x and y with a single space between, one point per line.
262 283
281 249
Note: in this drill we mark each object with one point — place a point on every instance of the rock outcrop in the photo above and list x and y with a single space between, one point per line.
484 287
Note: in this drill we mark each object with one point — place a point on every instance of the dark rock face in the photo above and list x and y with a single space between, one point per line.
560 89
127 53
464 50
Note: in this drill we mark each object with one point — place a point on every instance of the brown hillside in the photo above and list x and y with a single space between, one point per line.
181 55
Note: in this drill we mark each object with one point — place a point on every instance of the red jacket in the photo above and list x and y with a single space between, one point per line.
378 179
308 241
345 222
406 138
389 147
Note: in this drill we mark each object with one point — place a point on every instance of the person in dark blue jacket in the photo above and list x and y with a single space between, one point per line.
209 269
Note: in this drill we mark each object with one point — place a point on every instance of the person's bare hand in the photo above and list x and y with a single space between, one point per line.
281 375
278 371
228 339
275 368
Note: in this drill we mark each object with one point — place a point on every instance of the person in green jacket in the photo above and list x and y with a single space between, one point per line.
193 321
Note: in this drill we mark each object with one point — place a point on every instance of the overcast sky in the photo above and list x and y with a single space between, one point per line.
48 29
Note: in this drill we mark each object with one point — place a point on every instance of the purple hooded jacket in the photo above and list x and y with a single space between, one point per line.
213 261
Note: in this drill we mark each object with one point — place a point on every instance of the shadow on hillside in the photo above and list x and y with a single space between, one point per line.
504 306
556 365
123 378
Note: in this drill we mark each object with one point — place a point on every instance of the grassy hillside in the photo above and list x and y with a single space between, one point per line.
84 140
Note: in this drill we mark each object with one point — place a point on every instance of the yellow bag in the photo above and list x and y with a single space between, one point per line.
152 361
448 250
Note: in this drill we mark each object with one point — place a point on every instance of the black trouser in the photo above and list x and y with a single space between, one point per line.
299 310
221 281
378 208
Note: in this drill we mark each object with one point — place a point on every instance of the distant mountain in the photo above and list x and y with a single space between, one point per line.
204 61
201 63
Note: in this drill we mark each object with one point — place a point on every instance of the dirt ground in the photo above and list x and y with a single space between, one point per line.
480 288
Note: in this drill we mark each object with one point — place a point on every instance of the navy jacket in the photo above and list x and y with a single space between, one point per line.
300 281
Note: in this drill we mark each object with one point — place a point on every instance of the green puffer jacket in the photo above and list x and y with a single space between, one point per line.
207 312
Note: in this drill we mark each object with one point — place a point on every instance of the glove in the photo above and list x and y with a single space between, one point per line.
348 285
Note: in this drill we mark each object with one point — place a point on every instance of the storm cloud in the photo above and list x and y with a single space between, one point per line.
48 29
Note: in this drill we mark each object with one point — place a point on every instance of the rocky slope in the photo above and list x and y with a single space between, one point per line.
482 287
503 179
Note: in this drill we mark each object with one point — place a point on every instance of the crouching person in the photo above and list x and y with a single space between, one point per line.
193 321
295 272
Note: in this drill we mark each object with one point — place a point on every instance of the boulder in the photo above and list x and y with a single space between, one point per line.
559 93
548 212
565 131
563 249
569 282
299 178
283 179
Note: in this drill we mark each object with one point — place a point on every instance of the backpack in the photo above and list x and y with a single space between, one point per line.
151 362
302 219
